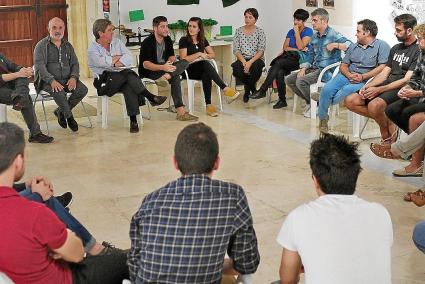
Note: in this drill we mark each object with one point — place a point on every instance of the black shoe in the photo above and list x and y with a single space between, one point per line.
258 95
61 118
40 138
246 97
158 100
73 125
19 103
65 199
280 104
134 127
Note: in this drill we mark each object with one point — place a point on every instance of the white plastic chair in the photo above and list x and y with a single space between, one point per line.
103 106
316 87
43 97
191 89
3 113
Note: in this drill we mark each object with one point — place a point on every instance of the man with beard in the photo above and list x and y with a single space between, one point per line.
57 72
376 95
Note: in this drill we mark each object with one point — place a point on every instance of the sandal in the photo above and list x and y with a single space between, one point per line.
408 196
383 151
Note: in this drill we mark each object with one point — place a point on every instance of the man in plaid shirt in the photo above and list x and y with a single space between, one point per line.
182 231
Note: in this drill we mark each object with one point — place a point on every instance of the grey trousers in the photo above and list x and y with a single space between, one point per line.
410 143
16 88
67 104
301 86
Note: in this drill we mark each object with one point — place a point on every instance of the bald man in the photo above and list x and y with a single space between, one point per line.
57 72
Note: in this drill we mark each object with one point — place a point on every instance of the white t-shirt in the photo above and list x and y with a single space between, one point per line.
340 239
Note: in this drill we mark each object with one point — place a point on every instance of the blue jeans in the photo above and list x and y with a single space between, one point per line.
64 216
334 92
419 236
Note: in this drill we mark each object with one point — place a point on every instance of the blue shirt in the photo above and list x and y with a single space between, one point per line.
363 59
305 32
99 59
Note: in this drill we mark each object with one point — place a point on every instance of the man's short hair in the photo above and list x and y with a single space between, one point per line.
420 30
335 163
12 144
369 26
100 25
409 21
253 12
301 14
322 13
158 20
196 149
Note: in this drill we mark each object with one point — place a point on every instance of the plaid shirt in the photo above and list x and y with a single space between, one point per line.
182 231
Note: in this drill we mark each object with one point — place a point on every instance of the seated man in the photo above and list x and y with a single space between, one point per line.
408 113
376 95
295 50
57 72
14 91
339 237
327 45
157 62
35 245
363 60
108 56
182 231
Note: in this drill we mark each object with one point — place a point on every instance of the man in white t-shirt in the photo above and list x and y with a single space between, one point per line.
339 237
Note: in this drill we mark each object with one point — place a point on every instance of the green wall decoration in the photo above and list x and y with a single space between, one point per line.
136 15
226 3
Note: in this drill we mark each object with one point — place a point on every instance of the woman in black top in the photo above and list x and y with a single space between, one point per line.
196 50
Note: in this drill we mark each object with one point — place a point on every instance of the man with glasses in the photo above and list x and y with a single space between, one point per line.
57 72
327 46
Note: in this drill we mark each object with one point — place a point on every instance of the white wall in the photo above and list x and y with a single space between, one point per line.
276 16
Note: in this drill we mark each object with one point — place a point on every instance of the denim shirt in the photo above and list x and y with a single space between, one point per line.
320 56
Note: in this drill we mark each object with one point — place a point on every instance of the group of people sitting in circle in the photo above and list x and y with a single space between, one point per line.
182 232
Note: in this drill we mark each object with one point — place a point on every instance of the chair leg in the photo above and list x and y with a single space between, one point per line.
45 117
105 111
190 94
3 113
219 98
295 101
313 109
149 116
87 114
99 109
124 108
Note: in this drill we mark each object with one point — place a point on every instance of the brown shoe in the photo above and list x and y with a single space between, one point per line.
134 127
186 117
211 111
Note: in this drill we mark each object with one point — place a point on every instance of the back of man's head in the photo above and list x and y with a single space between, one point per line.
12 144
322 13
158 20
409 21
335 163
196 149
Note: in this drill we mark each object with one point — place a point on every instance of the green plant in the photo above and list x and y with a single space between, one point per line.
181 25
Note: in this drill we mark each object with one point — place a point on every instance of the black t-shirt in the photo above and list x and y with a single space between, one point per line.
402 58
192 48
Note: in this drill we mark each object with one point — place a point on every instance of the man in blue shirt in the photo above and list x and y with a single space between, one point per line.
362 61
327 45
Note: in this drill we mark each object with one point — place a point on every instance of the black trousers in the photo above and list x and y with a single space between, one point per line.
248 79
19 88
205 72
105 269
134 93
400 112
280 68
175 81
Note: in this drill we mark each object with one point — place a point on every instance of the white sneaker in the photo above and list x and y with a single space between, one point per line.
306 112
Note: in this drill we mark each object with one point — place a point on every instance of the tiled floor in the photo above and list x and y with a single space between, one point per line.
265 150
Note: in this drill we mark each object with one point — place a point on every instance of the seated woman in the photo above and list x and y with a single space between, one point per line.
295 49
195 49
249 44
